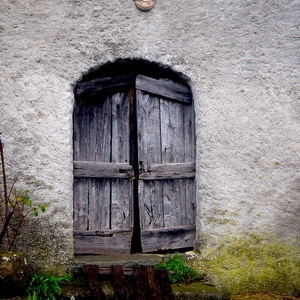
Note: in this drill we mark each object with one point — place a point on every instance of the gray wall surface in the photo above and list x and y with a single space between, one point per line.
242 59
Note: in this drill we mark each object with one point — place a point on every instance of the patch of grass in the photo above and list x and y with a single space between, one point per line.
178 270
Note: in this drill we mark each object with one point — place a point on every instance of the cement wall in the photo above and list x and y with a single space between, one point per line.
242 58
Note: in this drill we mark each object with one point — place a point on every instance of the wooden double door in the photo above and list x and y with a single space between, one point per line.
134 166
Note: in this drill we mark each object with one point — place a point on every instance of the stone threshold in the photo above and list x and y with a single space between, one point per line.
129 260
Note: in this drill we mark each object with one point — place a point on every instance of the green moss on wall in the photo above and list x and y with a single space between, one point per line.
252 263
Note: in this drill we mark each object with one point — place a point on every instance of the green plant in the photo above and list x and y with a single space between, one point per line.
178 270
45 287
13 210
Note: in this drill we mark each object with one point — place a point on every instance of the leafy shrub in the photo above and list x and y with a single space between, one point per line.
45 287
178 270
14 208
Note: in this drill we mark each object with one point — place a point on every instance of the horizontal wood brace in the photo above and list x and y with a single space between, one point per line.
169 171
103 245
168 238
164 88
93 169
109 84
107 232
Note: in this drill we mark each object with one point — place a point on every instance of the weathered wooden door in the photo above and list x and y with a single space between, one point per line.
134 144
166 150
103 205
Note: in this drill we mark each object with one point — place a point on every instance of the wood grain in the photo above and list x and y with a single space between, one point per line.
81 203
169 171
149 150
164 88
164 283
100 85
102 245
92 169
168 238
121 190
99 204
119 283
146 285
92 274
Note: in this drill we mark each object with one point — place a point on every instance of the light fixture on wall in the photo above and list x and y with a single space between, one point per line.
145 4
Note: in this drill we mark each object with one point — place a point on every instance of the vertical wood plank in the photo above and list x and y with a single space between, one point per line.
190 217
121 196
173 151
81 203
190 156
120 127
81 152
172 131
189 134
174 202
148 121
100 129
81 131
99 207
151 207
121 189
100 150
149 149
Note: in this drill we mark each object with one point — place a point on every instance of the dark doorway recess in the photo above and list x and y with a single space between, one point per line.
134 160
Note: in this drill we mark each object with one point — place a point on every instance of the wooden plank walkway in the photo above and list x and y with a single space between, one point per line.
149 283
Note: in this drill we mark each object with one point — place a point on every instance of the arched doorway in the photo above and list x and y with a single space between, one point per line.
134 160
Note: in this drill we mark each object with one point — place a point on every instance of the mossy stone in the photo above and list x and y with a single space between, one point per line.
14 273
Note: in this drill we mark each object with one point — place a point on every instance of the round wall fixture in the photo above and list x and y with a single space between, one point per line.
145 4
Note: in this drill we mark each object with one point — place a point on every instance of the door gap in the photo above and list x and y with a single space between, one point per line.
136 245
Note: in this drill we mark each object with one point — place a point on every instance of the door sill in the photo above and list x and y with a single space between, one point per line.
127 260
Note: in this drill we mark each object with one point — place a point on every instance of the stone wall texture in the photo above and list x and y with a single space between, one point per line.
242 60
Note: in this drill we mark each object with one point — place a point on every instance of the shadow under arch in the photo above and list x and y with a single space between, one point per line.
134 67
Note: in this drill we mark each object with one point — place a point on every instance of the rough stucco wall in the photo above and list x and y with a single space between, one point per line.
243 61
